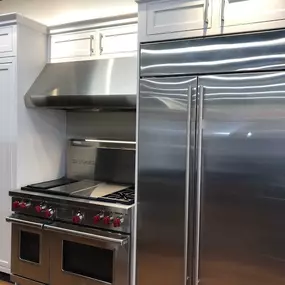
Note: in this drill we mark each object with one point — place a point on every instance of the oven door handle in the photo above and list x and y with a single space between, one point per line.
23 221
60 229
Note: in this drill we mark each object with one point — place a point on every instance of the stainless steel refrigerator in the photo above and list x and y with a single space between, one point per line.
211 161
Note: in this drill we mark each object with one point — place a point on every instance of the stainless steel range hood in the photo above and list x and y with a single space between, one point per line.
105 84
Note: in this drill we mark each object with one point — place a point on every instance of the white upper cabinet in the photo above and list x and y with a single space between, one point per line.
95 43
242 12
178 16
6 41
73 45
118 40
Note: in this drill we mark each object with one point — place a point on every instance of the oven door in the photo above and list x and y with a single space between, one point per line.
29 248
79 255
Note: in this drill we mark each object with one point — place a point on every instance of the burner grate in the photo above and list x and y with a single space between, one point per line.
126 196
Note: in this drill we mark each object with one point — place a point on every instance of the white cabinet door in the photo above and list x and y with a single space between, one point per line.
240 12
73 45
6 40
8 131
178 16
118 40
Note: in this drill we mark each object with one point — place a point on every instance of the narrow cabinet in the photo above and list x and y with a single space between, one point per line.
8 130
73 45
242 12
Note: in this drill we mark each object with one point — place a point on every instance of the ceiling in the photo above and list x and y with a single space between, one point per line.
55 12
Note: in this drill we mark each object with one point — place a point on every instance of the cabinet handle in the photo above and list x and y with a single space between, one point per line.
206 8
223 11
199 183
91 45
101 44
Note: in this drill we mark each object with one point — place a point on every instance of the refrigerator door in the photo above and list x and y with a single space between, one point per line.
163 161
242 237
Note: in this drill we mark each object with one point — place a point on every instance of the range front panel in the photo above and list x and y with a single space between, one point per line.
162 186
243 179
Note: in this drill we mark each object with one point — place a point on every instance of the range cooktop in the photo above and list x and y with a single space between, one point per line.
86 189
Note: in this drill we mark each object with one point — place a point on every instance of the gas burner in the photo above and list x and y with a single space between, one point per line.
125 196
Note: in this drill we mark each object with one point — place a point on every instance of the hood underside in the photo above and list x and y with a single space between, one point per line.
105 84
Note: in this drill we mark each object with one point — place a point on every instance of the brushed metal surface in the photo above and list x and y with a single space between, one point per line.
27 269
256 51
23 281
101 125
162 185
92 84
242 185
121 258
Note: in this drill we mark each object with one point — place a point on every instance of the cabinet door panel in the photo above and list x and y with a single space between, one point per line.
6 40
7 150
239 12
72 45
177 16
119 40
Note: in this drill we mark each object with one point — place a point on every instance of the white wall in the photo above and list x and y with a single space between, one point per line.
55 12
41 133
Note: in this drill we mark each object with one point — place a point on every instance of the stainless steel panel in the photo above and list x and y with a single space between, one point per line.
23 281
101 125
162 214
242 186
117 243
257 51
100 160
92 84
35 271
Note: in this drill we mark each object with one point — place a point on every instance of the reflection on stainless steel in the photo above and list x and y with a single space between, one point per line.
226 147
92 84
162 184
243 197
226 54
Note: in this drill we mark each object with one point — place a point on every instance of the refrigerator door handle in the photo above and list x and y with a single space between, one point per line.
199 183
187 183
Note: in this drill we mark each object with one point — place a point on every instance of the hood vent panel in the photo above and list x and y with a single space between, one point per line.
105 84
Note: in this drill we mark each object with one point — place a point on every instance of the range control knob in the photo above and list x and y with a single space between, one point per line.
98 218
40 208
15 205
107 220
24 205
49 213
77 219
118 222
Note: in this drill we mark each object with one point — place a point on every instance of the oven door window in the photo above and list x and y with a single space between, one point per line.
30 247
88 261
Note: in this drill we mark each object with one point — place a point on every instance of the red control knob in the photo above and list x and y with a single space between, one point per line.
97 218
107 220
15 205
24 205
49 213
38 208
77 219
117 222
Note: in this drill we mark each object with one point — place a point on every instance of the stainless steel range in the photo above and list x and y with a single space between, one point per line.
77 229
